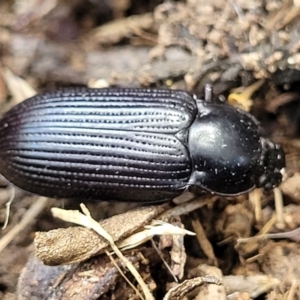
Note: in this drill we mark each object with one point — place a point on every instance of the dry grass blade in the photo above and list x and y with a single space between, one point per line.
77 244
156 228
30 215
87 221
19 88
8 204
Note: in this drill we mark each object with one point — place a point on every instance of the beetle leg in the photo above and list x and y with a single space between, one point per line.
208 93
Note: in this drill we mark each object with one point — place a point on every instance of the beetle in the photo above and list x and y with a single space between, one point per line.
128 144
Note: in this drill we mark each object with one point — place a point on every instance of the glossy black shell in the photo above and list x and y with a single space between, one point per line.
225 146
144 145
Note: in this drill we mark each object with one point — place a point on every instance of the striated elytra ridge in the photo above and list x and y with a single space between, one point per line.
123 144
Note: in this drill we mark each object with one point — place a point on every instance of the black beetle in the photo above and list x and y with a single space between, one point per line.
145 145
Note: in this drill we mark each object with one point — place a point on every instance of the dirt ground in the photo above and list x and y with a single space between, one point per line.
245 247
